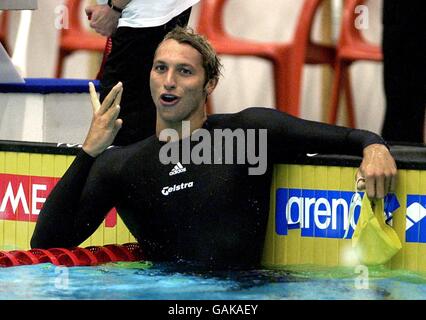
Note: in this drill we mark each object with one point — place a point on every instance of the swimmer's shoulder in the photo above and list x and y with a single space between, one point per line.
117 157
250 116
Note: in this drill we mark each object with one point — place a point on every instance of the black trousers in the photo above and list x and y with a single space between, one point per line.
404 43
130 62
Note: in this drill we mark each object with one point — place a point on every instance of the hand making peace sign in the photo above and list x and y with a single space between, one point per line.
105 125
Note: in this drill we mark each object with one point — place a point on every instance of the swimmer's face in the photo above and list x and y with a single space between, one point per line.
178 83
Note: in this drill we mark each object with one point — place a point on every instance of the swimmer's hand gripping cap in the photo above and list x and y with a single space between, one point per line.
374 241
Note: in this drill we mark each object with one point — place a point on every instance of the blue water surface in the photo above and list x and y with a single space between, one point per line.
146 281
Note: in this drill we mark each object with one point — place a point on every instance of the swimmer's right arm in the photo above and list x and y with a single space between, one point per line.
78 203
105 123
85 193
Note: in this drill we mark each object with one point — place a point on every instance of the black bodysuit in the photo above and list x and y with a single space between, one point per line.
210 213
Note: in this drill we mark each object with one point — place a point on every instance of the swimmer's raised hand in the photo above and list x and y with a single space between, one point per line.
105 123
377 173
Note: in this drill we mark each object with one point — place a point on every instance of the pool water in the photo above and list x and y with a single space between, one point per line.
146 281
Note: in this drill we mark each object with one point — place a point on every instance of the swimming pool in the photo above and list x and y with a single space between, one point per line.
146 281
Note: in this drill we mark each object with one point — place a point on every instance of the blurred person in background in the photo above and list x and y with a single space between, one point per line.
136 27
404 63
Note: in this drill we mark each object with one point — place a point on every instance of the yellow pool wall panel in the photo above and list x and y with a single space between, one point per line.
21 168
296 249
20 171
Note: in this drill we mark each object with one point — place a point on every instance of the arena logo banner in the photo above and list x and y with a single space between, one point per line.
415 228
22 197
320 213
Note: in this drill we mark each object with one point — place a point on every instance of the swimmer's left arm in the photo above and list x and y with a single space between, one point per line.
293 135
288 135
377 173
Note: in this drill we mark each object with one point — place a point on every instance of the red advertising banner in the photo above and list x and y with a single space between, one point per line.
22 197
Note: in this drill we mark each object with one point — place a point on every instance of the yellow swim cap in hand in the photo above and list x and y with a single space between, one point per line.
374 241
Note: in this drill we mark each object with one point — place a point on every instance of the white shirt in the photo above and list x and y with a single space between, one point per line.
151 13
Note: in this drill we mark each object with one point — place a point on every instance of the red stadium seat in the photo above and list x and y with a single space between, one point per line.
4 28
288 58
351 47
76 37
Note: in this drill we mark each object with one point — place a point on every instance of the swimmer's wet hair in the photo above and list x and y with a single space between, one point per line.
211 61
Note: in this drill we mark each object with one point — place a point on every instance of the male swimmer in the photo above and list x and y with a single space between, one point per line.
214 213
